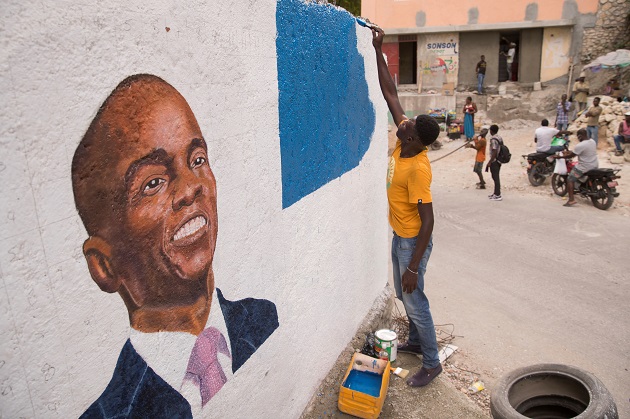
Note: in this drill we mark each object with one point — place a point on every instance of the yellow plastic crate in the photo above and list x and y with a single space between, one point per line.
354 394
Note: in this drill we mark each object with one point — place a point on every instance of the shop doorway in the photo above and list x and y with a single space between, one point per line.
408 61
508 66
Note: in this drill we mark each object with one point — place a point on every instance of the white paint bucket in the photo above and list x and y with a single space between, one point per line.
386 340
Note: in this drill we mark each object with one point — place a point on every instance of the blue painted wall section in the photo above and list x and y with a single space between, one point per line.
326 116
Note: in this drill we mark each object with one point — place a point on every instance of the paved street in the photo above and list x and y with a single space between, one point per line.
528 281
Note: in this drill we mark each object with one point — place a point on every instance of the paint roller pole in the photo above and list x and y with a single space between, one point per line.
448 154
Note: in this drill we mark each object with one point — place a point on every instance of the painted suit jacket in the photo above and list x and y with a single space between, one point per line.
136 391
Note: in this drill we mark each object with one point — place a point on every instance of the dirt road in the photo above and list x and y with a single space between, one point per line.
527 280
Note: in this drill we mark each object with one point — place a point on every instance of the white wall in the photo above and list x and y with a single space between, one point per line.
322 260
555 53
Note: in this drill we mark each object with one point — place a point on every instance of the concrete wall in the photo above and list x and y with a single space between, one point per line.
473 45
286 97
438 60
419 104
555 58
425 14
529 54
598 20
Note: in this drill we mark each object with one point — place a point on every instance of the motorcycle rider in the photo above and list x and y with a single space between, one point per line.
586 152
543 136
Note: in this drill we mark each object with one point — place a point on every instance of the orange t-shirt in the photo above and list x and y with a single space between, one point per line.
408 183
480 145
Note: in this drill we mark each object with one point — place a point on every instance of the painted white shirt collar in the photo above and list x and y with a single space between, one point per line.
167 353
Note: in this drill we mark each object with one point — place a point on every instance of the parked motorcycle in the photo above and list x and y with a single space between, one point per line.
600 185
541 165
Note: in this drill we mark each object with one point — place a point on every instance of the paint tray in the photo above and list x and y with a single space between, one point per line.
364 387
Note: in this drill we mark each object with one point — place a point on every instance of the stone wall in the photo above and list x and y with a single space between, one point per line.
611 30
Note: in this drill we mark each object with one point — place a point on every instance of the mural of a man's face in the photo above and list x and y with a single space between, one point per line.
160 239
170 206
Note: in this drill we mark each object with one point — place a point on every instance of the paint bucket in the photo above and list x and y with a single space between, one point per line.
386 340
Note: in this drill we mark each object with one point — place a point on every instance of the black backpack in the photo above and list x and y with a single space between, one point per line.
504 154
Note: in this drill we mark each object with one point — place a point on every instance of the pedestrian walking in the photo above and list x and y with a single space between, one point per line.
493 164
481 73
470 109
562 113
592 123
623 135
479 144
509 60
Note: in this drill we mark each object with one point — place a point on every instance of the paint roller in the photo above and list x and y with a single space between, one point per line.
366 23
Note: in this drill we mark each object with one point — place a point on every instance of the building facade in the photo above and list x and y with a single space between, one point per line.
430 43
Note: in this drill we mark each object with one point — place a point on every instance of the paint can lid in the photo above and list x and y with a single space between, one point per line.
385 335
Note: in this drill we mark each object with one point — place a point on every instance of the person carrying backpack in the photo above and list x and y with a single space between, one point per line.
499 154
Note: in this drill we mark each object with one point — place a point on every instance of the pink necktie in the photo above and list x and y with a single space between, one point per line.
203 368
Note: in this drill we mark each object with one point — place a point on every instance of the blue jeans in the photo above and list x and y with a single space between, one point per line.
619 140
421 328
593 132
480 78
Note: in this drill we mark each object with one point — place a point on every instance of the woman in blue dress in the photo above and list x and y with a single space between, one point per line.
470 109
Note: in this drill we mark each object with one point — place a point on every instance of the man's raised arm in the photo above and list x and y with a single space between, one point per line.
385 79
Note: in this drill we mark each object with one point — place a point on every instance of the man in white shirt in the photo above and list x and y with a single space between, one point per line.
147 197
543 136
586 152
510 60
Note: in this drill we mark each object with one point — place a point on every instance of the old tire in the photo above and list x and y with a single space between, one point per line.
603 198
559 184
536 174
551 391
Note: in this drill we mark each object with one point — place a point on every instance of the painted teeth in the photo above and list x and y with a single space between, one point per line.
190 227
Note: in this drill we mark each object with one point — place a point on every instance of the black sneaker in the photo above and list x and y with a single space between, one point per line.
424 376
408 348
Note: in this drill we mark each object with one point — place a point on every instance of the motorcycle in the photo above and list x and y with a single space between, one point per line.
599 185
540 165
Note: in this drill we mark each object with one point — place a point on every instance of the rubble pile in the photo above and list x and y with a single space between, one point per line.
612 115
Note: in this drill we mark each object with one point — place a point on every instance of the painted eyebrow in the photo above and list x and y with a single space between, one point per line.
196 143
156 157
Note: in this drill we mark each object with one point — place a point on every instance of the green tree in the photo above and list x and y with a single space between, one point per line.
353 6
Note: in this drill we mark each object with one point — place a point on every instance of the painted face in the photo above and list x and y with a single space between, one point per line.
164 244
